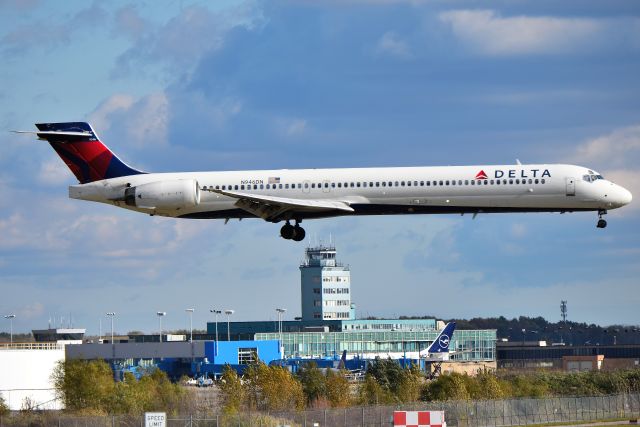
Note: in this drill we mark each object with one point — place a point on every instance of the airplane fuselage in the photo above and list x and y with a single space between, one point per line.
367 191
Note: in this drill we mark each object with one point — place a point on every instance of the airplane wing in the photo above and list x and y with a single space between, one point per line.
272 208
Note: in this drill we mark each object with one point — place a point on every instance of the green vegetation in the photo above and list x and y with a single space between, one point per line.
4 409
486 385
88 387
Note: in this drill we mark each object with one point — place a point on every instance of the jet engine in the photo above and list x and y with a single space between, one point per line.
164 195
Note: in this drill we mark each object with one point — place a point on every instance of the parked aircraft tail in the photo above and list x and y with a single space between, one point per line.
82 151
442 341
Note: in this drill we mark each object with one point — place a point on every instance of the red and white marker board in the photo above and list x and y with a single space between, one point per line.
419 419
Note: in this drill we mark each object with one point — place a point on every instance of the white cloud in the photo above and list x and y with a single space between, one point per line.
487 32
54 172
391 44
142 121
618 148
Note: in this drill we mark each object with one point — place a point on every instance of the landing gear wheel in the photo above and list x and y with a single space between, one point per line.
287 231
298 234
601 222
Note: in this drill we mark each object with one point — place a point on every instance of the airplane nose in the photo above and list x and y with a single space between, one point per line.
623 196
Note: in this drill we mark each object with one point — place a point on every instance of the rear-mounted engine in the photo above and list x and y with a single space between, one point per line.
164 195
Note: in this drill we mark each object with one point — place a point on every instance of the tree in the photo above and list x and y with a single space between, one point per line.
4 408
338 390
232 390
84 385
372 393
313 382
273 388
447 387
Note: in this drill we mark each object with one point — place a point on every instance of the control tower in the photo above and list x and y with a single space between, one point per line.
325 286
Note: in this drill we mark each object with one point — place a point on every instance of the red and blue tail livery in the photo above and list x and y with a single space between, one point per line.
83 152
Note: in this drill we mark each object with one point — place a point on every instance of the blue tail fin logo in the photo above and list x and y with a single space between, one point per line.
442 341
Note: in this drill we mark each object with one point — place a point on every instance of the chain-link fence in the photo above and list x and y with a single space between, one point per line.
490 413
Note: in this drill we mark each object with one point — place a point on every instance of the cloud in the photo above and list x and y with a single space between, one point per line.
44 35
180 42
54 172
138 122
487 32
390 44
618 148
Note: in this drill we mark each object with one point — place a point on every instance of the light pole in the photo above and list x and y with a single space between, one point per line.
190 311
161 314
111 314
228 313
281 312
216 312
10 317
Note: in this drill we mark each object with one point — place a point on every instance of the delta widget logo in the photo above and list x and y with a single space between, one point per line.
481 175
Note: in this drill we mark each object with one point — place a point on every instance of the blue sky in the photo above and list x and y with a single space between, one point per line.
188 85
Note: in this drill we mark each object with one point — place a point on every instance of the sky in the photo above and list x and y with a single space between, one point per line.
227 85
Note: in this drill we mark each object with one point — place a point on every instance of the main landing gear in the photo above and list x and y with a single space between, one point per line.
290 232
601 222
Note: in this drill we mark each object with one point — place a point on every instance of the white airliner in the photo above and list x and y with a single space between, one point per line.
296 195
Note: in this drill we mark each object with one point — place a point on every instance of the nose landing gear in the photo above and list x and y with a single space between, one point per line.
601 222
290 232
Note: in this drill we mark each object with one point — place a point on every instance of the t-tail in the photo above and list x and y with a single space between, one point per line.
82 151
441 344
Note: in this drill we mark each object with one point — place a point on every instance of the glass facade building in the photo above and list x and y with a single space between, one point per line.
468 345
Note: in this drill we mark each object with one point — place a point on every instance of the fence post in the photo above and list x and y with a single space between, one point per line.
362 417
345 417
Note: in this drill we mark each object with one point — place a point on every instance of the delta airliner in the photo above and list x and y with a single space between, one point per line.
297 195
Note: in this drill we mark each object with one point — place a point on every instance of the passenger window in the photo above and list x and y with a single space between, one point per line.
364 184
473 182
542 181
447 182
384 184
441 182
422 183
402 183
390 184
370 184
333 185
453 182
498 181
510 181
351 184
255 186
339 185
287 186
217 187
536 180
262 186
408 183
306 185
223 187
459 182
486 182
530 181
242 187
357 184
492 182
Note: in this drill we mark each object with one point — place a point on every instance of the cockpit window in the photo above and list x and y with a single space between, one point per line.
592 178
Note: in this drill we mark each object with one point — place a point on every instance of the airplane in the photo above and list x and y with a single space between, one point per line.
438 351
297 195
439 348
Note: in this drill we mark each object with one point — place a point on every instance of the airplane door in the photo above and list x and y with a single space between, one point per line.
571 186
306 186
326 186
